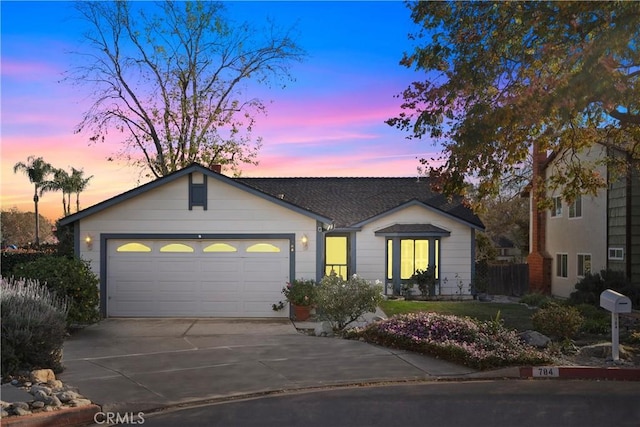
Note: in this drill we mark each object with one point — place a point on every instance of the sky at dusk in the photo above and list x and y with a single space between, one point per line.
329 122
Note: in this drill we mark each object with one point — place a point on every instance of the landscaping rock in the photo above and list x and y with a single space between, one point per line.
53 401
80 402
21 411
37 388
37 404
55 384
3 413
67 396
603 351
40 396
42 376
323 329
22 405
535 339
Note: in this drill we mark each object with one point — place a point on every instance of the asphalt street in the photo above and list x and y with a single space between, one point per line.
522 403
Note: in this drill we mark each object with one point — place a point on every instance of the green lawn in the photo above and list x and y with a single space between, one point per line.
515 316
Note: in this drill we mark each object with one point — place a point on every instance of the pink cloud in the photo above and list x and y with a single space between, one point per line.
28 70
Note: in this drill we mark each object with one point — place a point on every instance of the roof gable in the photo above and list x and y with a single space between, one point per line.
177 175
345 202
352 202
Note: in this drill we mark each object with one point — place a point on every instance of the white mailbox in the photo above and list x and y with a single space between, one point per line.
615 302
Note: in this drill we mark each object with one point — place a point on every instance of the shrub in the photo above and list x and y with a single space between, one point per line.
557 321
10 259
33 326
426 280
534 299
480 345
596 320
67 277
342 302
588 289
298 292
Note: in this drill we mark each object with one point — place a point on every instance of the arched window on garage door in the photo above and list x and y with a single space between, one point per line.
176 247
220 247
133 247
263 247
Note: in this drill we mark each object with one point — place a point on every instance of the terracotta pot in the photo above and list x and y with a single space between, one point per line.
301 312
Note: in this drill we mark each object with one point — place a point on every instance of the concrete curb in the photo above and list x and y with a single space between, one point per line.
82 416
581 372
71 417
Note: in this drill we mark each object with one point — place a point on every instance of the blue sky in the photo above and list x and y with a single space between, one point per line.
329 122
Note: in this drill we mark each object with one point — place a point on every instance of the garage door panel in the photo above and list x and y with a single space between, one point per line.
220 308
175 307
217 265
144 286
197 284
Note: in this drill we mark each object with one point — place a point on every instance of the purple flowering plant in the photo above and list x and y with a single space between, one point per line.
477 344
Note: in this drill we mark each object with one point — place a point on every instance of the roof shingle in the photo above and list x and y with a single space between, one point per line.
350 201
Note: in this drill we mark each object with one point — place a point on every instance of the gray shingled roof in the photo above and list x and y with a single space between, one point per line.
347 201
350 201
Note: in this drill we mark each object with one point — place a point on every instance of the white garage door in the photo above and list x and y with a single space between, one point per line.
196 278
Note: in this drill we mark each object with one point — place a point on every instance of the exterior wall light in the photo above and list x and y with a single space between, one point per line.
305 241
89 241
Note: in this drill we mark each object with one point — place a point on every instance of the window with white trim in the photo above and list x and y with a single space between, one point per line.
584 264
562 268
556 210
575 208
616 254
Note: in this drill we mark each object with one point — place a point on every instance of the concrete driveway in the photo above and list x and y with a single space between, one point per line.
146 364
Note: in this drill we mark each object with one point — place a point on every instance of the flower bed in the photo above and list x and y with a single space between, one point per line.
479 345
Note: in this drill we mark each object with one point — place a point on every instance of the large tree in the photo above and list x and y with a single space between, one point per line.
37 170
17 228
503 75
171 79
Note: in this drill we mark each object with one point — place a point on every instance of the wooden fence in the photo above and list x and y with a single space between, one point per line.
504 279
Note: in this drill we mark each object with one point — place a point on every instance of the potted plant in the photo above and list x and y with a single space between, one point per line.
301 294
426 281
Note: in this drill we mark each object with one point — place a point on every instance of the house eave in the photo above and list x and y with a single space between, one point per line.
179 174
415 202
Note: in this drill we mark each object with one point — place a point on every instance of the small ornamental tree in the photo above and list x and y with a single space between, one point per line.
342 302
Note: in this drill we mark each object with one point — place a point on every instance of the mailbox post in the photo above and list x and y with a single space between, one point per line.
616 303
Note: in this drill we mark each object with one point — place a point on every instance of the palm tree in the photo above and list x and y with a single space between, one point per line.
61 182
78 185
37 170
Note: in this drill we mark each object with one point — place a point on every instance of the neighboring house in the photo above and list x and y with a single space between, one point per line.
506 250
198 243
591 234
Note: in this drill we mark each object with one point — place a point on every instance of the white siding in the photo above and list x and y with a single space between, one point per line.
573 236
455 250
230 210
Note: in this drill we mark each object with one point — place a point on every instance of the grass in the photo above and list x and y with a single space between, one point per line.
515 316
